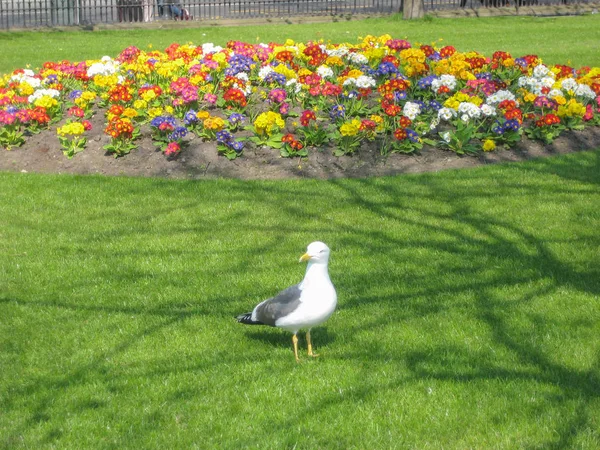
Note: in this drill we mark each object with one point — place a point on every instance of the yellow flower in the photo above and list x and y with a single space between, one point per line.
154 112
25 88
106 80
488 145
201 115
149 95
214 123
571 109
268 122
140 104
46 102
529 97
334 61
130 113
88 96
350 128
285 71
560 100
169 109
71 129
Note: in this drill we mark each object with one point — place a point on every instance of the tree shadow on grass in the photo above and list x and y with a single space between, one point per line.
461 229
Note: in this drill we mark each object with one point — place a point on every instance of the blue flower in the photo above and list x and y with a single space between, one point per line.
337 111
190 117
178 133
412 135
75 94
238 146
511 125
237 118
224 137
274 77
399 95
425 82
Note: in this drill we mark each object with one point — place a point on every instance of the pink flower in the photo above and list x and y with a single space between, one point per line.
210 98
172 149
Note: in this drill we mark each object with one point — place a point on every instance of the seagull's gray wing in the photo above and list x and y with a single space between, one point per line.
279 306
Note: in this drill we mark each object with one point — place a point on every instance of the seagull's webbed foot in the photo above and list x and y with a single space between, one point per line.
310 349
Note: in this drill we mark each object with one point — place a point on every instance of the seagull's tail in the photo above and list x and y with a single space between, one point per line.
247 319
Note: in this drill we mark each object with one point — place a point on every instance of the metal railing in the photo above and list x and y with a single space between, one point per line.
52 13
431 5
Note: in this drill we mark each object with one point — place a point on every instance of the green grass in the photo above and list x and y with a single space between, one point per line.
468 311
558 40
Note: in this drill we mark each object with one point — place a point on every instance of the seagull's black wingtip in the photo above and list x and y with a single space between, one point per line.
247 319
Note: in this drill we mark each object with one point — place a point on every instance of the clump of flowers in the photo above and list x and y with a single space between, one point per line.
71 138
267 127
228 146
10 133
123 134
165 133
292 147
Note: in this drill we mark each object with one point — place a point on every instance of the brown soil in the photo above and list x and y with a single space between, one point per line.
42 153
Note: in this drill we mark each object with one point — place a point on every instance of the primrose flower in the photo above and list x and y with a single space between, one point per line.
446 114
411 110
350 128
172 149
71 129
488 145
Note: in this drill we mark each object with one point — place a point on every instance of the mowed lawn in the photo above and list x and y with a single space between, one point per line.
469 301
557 40
468 311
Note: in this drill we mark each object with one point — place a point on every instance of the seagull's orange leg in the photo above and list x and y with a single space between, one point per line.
310 352
295 341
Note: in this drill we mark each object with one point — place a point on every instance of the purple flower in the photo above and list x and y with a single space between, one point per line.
337 111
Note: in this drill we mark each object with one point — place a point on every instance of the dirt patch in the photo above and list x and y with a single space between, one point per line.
42 153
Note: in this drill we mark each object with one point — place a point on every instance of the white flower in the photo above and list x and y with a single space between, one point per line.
293 83
434 123
325 72
568 84
411 110
264 71
338 51
444 80
26 77
500 96
583 90
209 47
358 58
41 93
554 93
541 71
446 113
547 82
465 118
469 109
365 82
106 66
487 110
446 135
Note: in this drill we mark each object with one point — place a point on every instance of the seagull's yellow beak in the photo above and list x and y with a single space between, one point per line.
304 257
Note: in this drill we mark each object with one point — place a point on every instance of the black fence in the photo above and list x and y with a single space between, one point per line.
52 13
431 5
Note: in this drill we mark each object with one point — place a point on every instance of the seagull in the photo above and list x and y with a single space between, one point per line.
302 306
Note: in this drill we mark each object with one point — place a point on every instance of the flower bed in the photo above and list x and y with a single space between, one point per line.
295 97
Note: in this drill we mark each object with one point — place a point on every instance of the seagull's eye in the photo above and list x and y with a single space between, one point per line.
322 251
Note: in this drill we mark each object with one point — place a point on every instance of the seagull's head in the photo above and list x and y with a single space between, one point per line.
316 252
